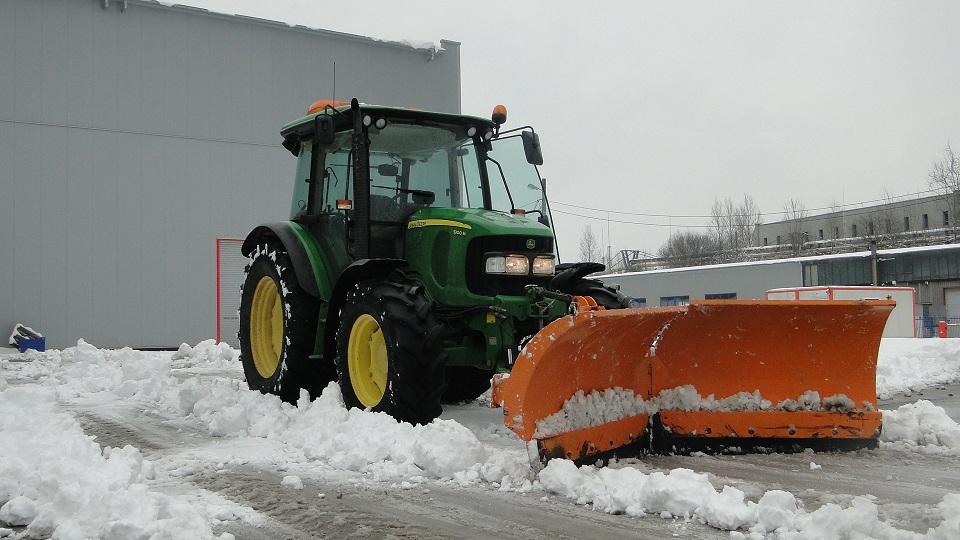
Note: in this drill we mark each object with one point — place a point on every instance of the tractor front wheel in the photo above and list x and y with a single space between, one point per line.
389 353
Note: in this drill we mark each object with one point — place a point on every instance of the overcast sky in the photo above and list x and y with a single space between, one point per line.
663 107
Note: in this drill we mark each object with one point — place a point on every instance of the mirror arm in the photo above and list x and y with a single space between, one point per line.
512 130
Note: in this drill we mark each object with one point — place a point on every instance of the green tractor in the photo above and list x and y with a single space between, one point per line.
418 259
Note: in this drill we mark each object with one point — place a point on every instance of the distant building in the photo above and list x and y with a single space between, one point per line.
906 221
933 271
903 222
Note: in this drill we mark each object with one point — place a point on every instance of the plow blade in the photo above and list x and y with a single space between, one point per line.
714 375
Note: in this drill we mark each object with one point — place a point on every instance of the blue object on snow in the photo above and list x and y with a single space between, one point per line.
39 344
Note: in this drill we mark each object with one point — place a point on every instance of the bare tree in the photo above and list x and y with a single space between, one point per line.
689 248
746 224
945 178
590 248
736 226
794 212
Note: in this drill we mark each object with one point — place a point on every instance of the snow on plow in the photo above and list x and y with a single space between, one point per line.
714 376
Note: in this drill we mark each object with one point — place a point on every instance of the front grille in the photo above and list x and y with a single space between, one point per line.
479 282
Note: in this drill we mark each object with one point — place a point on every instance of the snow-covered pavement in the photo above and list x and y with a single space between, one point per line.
128 444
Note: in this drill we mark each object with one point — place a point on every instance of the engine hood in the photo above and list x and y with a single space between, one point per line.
479 222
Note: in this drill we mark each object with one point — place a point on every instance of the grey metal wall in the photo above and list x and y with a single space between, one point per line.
747 280
130 140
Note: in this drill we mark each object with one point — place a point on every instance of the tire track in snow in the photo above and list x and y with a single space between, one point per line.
367 510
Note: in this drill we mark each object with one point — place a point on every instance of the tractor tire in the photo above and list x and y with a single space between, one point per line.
389 353
466 383
278 325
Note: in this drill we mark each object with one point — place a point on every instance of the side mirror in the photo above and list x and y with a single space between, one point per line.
324 129
531 147
292 143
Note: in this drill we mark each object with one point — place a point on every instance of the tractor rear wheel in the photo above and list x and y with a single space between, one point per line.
278 324
389 352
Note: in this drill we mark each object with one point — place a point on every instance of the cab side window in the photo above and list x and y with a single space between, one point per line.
301 188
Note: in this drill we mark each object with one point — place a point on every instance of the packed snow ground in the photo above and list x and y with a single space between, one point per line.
908 364
56 481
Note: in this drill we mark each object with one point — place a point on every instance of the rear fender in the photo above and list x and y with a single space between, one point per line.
308 266
360 270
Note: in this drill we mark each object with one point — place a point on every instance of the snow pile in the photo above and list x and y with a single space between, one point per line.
907 364
56 481
690 495
602 406
808 401
206 354
323 429
921 426
686 398
347 439
597 407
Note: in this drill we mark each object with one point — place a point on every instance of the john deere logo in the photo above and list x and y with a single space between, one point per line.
531 243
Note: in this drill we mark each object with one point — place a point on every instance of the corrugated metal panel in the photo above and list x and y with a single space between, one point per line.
130 141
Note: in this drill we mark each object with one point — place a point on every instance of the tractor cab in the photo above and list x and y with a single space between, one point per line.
366 172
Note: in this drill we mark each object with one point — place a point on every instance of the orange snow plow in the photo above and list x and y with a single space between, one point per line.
714 375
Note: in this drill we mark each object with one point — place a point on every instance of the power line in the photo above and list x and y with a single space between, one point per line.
858 212
601 218
702 216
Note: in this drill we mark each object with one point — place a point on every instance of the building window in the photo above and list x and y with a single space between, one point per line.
764 240
870 228
836 232
926 221
946 218
674 301
721 296
853 230
887 226
820 234
906 223
778 239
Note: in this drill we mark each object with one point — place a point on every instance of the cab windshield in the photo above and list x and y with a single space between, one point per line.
413 166
418 165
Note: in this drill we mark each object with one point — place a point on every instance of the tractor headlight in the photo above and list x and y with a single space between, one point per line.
508 264
543 265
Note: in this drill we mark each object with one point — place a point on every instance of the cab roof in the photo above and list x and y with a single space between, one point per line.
393 112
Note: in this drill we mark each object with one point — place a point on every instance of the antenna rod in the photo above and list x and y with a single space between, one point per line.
334 96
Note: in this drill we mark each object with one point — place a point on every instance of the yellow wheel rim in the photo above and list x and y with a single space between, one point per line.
367 360
266 327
